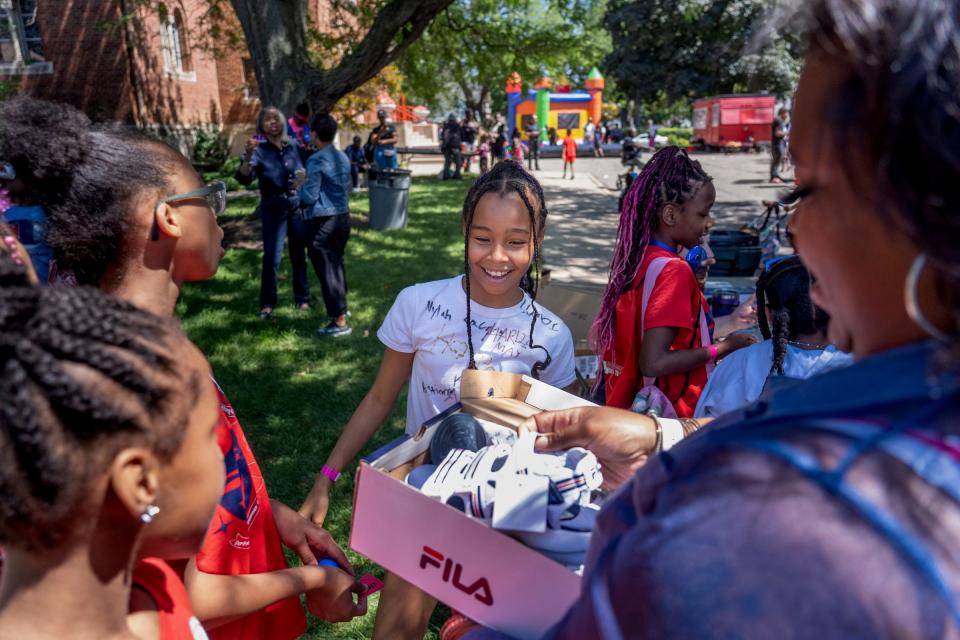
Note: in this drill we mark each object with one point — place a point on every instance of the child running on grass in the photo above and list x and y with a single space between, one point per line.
663 341
483 319
138 221
569 153
107 424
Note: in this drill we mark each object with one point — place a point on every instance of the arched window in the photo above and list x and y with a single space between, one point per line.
21 48
173 39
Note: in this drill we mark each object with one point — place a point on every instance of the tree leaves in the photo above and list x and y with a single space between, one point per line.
668 50
467 52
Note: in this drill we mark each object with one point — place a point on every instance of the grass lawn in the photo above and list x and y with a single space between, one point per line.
294 390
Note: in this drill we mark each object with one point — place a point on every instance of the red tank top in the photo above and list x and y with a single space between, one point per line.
169 595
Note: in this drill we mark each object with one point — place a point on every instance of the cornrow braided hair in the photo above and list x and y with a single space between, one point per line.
509 176
784 289
670 177
81 375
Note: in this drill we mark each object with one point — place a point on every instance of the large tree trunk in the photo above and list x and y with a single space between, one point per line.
475 100
275 31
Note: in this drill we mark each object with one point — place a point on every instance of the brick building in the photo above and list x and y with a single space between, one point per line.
148 71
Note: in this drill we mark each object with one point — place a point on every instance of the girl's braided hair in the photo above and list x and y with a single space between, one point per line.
670 177
82 374
509 176
784 289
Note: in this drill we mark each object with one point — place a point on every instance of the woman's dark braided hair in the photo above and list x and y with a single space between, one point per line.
509 176
82 374
784 289
90 178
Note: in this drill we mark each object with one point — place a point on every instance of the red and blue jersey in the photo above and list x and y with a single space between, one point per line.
243 539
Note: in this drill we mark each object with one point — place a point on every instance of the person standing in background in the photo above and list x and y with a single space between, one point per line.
384 140
451 137
470 130
569 153
500 145
358 162
298 128
484 149
778 134
275 164
532 129
598 134
326 212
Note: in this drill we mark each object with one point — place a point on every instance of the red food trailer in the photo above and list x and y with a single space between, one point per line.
733 121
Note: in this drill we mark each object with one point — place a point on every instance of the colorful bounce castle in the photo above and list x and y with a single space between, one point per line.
561 109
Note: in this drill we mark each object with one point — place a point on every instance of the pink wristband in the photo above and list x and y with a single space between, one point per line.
330 472
712 350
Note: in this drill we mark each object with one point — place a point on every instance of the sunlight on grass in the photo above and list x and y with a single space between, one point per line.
294 390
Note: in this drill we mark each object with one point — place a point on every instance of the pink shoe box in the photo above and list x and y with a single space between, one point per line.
479 571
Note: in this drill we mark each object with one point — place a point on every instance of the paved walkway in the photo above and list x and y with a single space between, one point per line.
583 217
582 225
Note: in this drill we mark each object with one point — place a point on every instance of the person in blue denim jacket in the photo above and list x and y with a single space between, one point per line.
829 508
275 163
324 199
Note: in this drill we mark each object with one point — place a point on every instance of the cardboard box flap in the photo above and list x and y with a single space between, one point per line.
491 384
543 396
503 411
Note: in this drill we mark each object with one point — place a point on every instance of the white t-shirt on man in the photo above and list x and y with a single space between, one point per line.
429 320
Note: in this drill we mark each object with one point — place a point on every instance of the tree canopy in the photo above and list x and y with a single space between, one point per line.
670 50
466 54
294 57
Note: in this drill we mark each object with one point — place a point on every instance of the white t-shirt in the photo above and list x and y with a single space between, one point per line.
739 378
429 320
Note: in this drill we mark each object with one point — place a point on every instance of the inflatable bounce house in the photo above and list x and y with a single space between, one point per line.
561 109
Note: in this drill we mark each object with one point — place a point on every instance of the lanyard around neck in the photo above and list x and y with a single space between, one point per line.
663 245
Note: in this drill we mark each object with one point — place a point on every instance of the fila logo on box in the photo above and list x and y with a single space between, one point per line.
453 573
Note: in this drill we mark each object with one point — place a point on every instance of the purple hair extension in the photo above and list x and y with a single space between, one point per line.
670 177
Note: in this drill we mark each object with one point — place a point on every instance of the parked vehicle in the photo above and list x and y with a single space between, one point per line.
733 122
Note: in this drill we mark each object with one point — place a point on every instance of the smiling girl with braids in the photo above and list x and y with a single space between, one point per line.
107 437
795 342
485 319
667 207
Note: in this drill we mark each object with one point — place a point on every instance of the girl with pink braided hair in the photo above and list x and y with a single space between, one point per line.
667 207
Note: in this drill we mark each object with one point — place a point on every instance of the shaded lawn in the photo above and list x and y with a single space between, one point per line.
294 390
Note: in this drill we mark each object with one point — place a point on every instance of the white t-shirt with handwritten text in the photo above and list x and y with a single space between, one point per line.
429 320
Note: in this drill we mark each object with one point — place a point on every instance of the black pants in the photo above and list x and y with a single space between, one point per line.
326 240
281 219
534 157
451 156
776 151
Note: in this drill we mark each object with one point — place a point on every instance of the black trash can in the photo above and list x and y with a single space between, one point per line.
389 192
